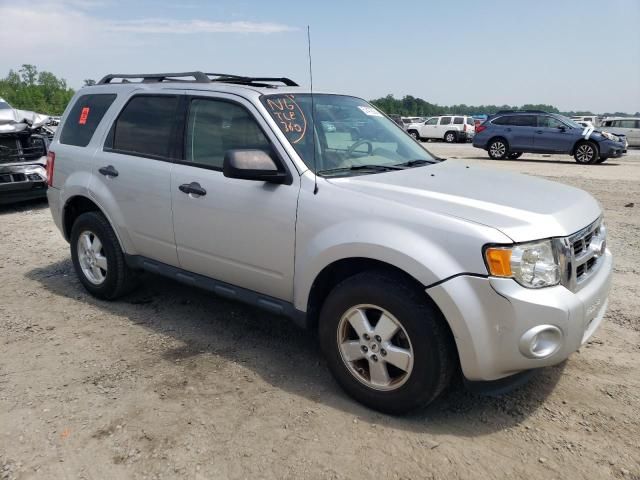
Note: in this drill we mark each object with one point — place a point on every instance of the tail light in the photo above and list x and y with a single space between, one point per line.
51 159
480 128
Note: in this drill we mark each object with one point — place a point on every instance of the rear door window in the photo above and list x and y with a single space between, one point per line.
458 120
523 121
145 125
445 120
84 118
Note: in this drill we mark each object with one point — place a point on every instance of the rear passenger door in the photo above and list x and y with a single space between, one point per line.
519 132
238 231
444 125
132 175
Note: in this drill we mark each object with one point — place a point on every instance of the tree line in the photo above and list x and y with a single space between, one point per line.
29 89
410 106
43 92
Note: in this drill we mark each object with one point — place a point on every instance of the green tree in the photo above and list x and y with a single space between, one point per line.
41 92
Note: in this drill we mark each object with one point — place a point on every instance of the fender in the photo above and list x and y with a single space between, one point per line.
424 259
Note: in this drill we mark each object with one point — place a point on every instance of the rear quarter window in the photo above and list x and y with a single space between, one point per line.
84 118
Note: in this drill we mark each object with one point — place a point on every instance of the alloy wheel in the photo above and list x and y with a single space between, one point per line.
498 149
375 347
91 257
584 153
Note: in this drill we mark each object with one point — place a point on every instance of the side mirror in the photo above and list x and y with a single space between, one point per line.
562 128
254 165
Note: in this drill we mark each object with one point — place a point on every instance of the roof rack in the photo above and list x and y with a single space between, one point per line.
519 111
197 77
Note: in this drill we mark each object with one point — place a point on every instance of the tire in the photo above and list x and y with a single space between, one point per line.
414 134
514 155
602 159
498 149
105 283
421 331
451 137
586 153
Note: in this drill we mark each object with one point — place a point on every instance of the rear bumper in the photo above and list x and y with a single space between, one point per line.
490 317
21 182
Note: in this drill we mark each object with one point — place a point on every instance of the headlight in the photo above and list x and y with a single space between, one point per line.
532 265
608 136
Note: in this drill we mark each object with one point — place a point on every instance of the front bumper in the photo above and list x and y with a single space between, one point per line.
19 182
611 149
489 316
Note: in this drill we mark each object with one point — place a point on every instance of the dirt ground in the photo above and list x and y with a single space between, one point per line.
170 382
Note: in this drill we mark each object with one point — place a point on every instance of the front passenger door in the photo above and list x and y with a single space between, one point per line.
238 231
552 135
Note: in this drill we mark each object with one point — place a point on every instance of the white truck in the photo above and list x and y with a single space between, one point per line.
450 128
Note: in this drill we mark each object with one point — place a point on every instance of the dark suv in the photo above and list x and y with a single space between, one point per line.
508 134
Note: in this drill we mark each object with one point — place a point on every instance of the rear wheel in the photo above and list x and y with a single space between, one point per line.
515 155
98 259
586 153
450 137
498 149
385 344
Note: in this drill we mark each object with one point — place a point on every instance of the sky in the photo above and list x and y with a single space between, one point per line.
574 54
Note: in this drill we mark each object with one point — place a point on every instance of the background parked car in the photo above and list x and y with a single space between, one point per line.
592 119
450 128
629 127
510 133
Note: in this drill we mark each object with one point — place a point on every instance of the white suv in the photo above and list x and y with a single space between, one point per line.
409 269
450 128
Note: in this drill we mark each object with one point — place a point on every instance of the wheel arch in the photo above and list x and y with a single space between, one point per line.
76 206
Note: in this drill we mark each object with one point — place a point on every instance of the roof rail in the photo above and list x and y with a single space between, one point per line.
519 111
196 77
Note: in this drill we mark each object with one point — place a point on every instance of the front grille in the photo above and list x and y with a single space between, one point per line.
21 149
583 252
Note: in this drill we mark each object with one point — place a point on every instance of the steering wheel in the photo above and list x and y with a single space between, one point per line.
353 147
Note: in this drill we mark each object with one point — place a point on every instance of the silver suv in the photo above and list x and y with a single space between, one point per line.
409 268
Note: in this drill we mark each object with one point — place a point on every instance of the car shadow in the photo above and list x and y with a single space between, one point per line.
24 206
541 160
274 348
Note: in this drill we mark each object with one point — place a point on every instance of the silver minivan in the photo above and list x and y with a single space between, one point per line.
628 126
410 269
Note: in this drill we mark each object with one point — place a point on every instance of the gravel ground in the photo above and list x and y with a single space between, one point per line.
174 383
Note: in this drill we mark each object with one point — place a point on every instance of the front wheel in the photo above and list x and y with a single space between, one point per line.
450 137
385 344
415 135
586 153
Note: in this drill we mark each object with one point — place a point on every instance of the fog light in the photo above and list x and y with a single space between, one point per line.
541 341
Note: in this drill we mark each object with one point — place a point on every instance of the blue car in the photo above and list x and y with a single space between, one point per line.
509 134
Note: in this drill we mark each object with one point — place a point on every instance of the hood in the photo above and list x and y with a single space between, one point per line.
13 120
522 207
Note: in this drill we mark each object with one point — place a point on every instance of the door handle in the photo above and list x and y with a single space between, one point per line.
108 171
193 187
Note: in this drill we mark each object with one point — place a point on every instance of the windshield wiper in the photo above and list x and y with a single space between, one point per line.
414 163
355 168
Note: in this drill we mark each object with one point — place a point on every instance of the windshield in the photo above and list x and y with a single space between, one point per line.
351 135
4 105
572 123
